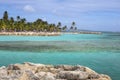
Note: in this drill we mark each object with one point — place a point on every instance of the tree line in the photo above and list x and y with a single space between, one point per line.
20 24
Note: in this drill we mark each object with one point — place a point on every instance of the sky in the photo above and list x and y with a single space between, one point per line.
97 15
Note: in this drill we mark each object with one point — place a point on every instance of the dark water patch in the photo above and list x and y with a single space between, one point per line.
111 36
26 46
61 46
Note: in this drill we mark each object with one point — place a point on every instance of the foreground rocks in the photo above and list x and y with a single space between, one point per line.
30 71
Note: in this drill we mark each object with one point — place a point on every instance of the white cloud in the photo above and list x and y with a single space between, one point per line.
28 8
76 7
66 7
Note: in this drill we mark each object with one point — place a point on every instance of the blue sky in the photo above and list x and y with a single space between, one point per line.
102 15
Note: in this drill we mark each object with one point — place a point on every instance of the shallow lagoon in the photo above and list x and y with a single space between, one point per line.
99 52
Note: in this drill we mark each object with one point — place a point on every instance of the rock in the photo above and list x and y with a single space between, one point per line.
32 64
90 71
79 68
28 75
3 71
46 76
64 67
93 76
105 77
13 67
24 76
31 71
73 75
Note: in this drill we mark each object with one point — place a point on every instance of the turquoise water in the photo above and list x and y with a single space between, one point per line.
64 37
99 52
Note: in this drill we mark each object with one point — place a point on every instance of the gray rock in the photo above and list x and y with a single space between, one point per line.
73 75
31 71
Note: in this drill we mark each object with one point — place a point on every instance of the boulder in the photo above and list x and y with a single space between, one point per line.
73 75
32 71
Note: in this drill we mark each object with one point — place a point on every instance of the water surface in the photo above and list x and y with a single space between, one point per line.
99 52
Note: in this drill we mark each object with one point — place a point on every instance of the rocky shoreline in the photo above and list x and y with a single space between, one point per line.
83 32
31 33
31 71
44 33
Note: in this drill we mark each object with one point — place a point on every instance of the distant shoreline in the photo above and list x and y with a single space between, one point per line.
45 33
31 33
82 32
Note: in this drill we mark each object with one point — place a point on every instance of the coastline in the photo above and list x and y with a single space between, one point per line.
31 33
45 33
82 32
32 71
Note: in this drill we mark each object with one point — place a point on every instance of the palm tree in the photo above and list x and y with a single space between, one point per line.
5 21
18 18
73 23
1 24
75 28
5 16
18 23
72 26
59 24
22 24
11 21
64 28
7 24
24 20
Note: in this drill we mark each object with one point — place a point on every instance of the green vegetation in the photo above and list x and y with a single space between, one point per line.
20 24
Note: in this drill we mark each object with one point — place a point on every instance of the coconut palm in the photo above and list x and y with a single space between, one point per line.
1 24
75 28
18 18
59 24
5 16
64 28
72 26
12 23
9 24
73 23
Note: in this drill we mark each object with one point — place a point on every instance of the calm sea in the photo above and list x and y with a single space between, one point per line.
99 52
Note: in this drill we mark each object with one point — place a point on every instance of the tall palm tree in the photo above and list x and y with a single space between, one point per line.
64 28
1 24
22 24
72 26
12 19
7 24
18 18
59 24
12 23
5 20
5 16
18 23
75 28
